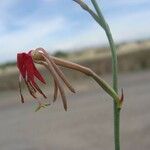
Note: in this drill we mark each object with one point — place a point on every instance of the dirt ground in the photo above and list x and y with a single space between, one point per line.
87 125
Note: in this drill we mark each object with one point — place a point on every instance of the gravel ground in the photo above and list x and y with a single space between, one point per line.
87 125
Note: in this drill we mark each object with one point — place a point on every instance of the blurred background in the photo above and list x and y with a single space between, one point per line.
68 32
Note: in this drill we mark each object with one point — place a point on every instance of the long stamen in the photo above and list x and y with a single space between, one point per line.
39 90
30 89
20 90
33 88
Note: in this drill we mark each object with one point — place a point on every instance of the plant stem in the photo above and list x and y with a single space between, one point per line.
115 75
101 21
115 87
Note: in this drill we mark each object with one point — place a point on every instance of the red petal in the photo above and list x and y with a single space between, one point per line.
38 89
33 69
38 75
28 71
21 59
20 91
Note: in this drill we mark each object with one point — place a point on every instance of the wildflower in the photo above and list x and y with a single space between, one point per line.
28 71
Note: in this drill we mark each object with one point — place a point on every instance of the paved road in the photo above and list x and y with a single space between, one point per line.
86 126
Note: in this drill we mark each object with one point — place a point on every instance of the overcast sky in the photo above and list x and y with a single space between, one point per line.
62 24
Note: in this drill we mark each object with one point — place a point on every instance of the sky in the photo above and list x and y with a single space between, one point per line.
63 25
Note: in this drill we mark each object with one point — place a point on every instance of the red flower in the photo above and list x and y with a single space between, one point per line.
28 72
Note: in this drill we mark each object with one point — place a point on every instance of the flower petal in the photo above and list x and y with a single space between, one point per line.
21 59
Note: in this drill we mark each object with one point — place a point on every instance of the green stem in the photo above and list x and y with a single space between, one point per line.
101 21
115 75
115 87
